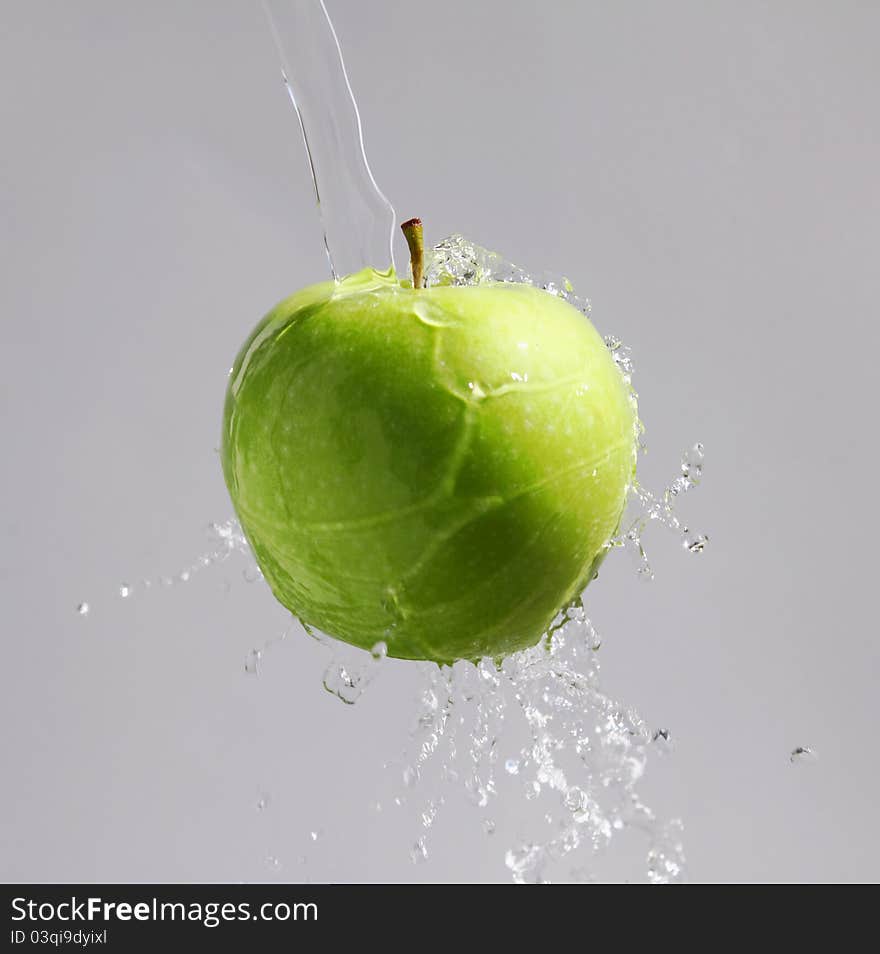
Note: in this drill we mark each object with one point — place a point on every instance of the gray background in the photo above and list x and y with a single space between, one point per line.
706 173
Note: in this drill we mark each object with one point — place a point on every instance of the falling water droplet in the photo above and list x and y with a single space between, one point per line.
511 766
803 755
342 682
83 609
124 590
662 739
252 662
419 852
692 463
696 543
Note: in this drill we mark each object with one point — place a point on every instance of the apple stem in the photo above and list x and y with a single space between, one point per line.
412 230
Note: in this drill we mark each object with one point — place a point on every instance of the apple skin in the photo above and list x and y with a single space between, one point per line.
439 469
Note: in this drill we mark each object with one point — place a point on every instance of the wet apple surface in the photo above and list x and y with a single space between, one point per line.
436 468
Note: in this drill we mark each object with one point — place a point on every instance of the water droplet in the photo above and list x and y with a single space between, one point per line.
343 683
662 741
696 543
429 814
124 590
379 650
251 574
478 790
511 766
488 826
273 863
692 463
410 776
252 662
262 803
83 609
419 852
315 835
803 755
575 800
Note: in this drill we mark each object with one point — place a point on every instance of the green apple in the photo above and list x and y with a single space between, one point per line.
437 468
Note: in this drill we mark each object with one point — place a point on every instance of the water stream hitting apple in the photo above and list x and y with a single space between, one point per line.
585 752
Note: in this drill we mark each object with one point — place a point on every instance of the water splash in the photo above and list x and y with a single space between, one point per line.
228 539
457 260
646 507
358 219
581 762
